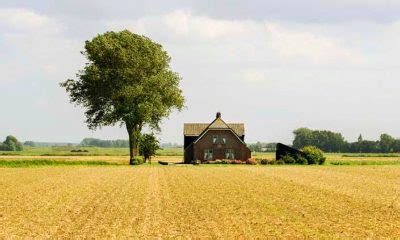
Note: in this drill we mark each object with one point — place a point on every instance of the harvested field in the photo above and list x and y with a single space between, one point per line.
204 201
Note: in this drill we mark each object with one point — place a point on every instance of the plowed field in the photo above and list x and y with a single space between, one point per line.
197 202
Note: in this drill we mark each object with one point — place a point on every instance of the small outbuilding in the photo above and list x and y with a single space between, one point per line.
215 140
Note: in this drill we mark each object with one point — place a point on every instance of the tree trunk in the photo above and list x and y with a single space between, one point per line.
133 133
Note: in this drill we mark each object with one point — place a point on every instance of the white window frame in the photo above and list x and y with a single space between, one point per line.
214 139
223 139
230 154
208 154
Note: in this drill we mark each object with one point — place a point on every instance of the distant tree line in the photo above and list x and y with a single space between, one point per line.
48 144
329 141
11 144
262 147
171 145
95 142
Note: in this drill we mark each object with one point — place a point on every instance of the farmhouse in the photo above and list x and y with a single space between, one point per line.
215 140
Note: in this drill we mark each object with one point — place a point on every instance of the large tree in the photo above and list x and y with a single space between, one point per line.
127 80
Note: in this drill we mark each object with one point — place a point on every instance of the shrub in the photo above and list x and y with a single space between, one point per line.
301 160
267 161
218 161
279 162
314 155
287 159
137 161
264 161
79 150
251 161
340 163
148 145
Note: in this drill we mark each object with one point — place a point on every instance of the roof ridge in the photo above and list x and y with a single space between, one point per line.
196 129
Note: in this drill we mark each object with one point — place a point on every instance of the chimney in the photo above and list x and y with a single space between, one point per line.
218 115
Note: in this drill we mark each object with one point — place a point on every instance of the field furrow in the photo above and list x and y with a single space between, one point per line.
200 202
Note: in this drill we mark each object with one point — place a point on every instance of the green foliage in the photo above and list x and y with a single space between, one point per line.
264 161
386 143
148 145
279 162
11 144
295 159
29 143
326 140
288 159
301 160
334 142
137 161
360 138
313 155
127 80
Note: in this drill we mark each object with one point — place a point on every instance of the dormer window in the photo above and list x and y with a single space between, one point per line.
214 139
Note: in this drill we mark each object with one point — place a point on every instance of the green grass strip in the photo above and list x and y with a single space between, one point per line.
362 163
372 155
46 162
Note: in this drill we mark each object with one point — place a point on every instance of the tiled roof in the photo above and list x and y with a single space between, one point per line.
195 129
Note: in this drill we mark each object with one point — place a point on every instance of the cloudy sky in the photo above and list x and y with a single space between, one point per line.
274 65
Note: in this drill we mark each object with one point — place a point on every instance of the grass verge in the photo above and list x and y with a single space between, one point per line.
47 162
362 163
372 155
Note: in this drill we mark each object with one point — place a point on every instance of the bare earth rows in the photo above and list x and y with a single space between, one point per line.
189 201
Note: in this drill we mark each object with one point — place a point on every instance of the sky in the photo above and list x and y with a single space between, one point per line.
273 65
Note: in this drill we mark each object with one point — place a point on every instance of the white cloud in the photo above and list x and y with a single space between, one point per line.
35 41
184 23
243 39
305 45
17 19
333 76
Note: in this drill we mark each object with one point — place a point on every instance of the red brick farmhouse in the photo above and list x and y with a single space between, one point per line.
215 140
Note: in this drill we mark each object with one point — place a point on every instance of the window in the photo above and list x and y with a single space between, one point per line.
230 154
223 139
214 139
208 154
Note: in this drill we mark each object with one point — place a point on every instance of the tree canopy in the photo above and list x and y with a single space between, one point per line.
334 142
127 80
11 144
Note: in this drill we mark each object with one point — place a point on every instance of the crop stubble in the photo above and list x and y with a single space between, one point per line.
189 201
